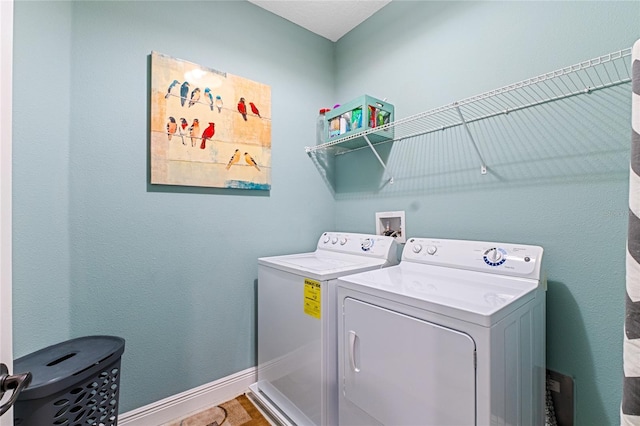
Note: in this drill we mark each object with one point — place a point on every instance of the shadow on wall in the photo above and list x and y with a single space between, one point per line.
326 165
567 336
358 171
577 139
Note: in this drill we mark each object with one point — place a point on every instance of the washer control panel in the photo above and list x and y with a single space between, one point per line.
362 244
499 258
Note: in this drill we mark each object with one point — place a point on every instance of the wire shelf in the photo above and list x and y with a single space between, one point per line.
582 78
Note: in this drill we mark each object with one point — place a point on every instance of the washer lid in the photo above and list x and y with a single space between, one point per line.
321 265
477 297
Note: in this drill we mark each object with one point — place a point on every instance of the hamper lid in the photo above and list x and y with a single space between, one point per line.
68 363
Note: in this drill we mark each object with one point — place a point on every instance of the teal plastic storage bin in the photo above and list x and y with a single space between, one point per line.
359 115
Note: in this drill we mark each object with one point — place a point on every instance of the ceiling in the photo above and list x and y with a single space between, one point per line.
330 19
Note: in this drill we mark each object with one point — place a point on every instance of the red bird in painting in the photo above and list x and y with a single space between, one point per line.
207 134
242 108
254 109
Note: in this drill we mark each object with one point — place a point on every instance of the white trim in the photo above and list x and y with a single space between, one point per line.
191 401
6 102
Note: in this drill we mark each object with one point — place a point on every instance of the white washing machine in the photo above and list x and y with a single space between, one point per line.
297 330
453 335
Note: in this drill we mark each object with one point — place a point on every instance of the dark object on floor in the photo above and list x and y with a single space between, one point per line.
75 383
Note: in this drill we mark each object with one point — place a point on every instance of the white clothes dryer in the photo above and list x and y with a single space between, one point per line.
297 330
453 335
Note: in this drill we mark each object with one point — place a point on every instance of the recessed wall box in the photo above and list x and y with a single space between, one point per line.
391 224
359 115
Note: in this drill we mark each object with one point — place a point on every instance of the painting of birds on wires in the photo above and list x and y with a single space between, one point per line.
208 128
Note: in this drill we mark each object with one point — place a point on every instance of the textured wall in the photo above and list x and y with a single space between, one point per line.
172 270
558 174
41 130
99 251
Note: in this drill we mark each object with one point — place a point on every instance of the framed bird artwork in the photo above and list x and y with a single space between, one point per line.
208 128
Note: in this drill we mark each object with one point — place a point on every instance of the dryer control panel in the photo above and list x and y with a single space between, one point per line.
499 258
377 246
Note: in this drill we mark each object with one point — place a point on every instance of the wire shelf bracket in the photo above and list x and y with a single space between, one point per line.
384 166
483 166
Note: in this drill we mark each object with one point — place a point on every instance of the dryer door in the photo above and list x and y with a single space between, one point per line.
401 370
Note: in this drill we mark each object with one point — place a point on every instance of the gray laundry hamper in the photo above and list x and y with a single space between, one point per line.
75 383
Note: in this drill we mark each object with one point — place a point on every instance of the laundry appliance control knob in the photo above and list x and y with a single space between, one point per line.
417 248
495 256
432 250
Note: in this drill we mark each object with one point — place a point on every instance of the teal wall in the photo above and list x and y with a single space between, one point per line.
97 250
41 132
172 269
558 173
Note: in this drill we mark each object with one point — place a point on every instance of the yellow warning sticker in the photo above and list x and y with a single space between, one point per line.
312 300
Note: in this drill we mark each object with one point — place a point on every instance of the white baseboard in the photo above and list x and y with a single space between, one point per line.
190 401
